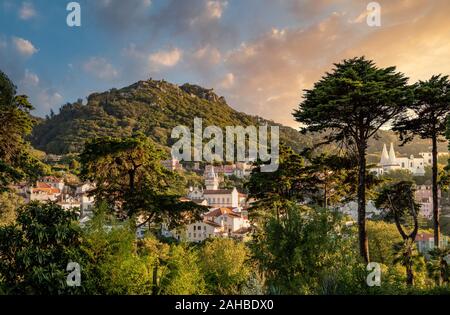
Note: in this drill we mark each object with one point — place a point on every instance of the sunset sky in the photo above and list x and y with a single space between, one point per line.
259 54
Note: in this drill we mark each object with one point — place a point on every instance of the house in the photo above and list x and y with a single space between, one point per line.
222 198
220 222
86 198
424 197
425 242
54 182
42 192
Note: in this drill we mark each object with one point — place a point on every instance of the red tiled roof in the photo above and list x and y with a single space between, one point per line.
424 236
221 211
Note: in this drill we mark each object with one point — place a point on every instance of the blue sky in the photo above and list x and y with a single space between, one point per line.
259 54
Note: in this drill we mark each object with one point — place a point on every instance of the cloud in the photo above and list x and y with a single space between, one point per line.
166 58
270 71
214 9
227 82
24 47
100 68
30 78
207 55
47 99
197 21
27 11
118 16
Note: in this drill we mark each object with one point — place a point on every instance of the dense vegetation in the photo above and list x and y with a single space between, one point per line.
300 242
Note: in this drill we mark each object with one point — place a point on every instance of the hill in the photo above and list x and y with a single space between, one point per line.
155 108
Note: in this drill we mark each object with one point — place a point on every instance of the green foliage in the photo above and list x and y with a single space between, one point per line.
181 274
152 107
303 250
111 262
382 237
225 265
354 101
17 161
9 203
430 109
129 176
35 251
399 175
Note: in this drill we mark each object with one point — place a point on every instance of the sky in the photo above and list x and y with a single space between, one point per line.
259 54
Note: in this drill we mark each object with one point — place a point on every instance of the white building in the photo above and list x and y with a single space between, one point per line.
54 182
220 222
389 161
42 192
86 199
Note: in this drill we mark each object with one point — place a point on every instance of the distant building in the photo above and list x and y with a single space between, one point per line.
425 242
424 197
222 197
42 192
220 222
389 162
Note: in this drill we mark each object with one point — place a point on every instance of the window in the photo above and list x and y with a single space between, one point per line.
194 227
190 234
204 228
195 235
223 200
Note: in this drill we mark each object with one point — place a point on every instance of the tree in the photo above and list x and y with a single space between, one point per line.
290 182
305 249
352 103
129 176
35 251
438 265
16 160
398 202
430 109
225 265
181 273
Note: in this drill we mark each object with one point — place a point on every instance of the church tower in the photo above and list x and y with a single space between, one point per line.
211 179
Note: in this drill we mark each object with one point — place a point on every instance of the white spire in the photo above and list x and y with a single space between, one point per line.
392 158
384 156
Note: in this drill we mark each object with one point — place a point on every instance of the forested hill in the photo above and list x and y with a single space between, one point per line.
156 107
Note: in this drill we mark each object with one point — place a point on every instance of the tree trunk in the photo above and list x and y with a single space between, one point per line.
409 275
362 232
155 280
436 225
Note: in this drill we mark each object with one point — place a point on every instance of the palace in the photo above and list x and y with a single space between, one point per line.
389 161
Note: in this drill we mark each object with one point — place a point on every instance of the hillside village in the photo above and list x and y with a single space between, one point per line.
228 208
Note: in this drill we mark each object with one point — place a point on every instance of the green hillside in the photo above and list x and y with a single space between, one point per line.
156 107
